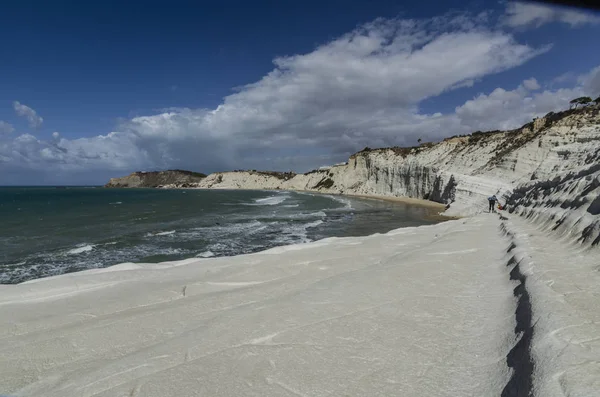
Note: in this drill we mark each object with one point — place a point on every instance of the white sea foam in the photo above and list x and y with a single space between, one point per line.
170 251
222 231
296 233
313 224
167 233
306 215
13 265
116 203
81 248
206 254
271 200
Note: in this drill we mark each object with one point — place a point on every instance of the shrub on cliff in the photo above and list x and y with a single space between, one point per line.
584 100
324 183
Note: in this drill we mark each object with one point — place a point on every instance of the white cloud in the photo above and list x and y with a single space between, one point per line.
531 84
31 115
504 110
5 128
55 135
521 14
114 151
361 89
591 82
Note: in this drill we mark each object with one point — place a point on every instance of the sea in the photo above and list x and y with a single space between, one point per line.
47 231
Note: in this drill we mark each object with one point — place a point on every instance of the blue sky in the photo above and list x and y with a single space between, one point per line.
89 91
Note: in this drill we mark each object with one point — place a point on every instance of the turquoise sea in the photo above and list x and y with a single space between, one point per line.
47 231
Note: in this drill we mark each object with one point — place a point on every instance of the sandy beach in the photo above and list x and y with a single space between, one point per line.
407 200
434 210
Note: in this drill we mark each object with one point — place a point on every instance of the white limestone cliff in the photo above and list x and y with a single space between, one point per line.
548 169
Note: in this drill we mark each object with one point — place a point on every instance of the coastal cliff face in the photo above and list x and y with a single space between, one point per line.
157 179
547 170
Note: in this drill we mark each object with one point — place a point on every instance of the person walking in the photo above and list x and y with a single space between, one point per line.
492 201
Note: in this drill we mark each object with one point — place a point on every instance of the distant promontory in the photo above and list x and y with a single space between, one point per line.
140 179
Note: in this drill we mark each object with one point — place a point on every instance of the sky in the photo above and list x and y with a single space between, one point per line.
93 91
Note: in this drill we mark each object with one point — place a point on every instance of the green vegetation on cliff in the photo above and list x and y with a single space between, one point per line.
180 178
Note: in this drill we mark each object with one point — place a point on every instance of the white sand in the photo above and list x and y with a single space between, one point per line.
425 311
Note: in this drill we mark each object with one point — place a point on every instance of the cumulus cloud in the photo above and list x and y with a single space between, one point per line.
361 89
113 151
521 14
31 115
5 128
591 82
507 109
531 84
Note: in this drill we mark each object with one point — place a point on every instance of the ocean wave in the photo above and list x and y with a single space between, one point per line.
306 215
284 217
301 193
219 231
271 200
347 203
314 224
276 219
295 233
168 251
81 248
116 203
223 240
168 233
48 264
14 264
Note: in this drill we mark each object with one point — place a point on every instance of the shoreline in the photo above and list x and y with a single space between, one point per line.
399 300
434 210
428 213
235 321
